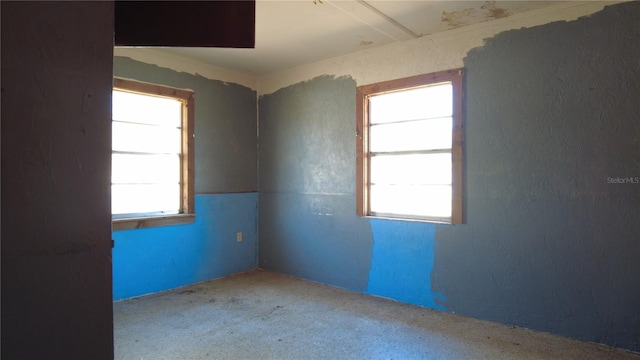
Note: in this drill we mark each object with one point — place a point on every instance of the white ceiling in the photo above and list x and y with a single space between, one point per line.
293 33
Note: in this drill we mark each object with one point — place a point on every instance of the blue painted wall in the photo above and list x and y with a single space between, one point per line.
549 241
402 262
308 224
157 259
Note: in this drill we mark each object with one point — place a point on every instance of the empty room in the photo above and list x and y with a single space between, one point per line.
368 180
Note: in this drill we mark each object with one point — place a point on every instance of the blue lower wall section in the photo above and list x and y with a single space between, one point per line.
157 259
548 242
319 237
403 254
308 222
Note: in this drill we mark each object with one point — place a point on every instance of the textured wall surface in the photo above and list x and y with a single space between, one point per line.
550 240
56 219
308 226
157 259
225 126
426 54
402 262
423 55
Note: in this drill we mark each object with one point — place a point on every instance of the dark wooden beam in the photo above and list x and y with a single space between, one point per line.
185 23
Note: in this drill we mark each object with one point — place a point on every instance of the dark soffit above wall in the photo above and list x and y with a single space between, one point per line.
228 24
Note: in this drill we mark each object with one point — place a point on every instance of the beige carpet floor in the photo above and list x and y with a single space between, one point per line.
262 315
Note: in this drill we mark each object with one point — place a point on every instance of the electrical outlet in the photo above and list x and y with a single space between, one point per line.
239 237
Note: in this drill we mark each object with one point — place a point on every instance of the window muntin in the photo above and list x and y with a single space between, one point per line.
426 134
400 105
409 148
152 155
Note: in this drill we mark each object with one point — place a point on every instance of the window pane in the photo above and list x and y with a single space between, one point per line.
420 103
140 169
425 200
413 135
419 169
146 109
145 138
127 199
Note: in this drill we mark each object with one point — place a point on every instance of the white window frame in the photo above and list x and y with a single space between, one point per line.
363 154
187 179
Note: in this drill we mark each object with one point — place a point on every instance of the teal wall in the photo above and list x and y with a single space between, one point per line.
552 197
156 259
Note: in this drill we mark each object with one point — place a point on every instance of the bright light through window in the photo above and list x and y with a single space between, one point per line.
147 143
410 167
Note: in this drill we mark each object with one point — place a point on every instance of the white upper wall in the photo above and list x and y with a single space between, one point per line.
431 53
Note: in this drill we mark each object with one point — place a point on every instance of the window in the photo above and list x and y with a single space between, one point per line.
152 181
409 148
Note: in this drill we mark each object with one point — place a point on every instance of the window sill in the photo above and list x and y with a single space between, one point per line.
439 221
151 221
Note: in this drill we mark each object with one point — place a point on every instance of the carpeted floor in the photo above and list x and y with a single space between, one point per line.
262 315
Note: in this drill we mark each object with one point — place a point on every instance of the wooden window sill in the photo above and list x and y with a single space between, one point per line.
433 220
152 221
